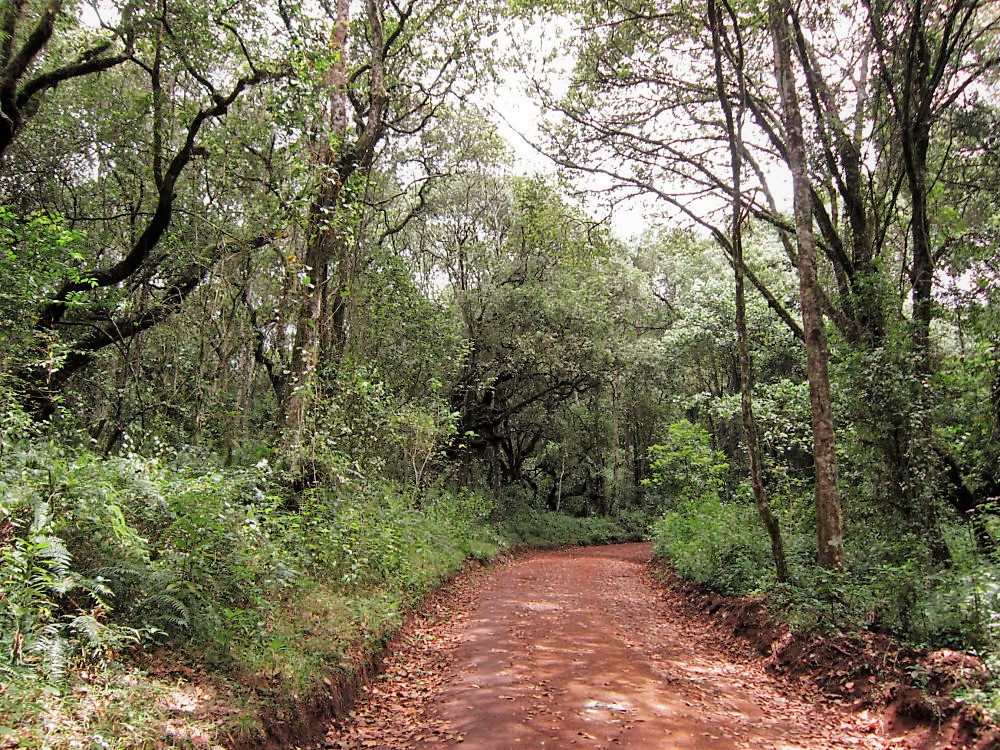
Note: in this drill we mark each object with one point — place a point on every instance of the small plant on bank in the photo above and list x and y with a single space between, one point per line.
104 559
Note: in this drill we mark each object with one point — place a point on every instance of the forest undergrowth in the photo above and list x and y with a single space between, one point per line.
922 608
123 577
169 601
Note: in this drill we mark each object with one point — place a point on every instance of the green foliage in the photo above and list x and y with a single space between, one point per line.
715 543
101 555
36 578
896 592
15 424
636 523
38 252
55 607
124 549
891 584
362 428
540 529
685 468
177 550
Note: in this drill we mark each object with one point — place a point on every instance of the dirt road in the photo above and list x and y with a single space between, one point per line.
579 649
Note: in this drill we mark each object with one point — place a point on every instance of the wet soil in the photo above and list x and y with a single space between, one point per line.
582 648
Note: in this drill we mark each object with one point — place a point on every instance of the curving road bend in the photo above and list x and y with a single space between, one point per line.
579 649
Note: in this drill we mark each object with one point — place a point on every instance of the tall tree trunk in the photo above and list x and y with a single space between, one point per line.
827 493
735 136
916 144
326 256
616 473
321 241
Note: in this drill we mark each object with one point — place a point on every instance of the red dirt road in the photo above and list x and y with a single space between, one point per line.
580 649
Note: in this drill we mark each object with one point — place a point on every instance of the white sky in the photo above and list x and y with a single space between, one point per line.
517 113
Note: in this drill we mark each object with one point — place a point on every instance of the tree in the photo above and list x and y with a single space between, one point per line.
637 149
383 75
734 132
548 308
31 64
335 159
928 56
187 70
827 491
643 112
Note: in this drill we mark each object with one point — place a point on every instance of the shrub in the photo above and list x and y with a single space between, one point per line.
52 610
635 522
534 528
715 543
101 553
685 468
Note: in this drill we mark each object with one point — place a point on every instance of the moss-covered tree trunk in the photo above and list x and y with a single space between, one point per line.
827 492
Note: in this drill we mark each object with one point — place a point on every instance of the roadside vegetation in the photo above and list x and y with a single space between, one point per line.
169 600
288 335
131 585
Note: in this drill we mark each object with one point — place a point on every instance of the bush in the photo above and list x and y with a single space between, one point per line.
99 555
715 543
636 523
685 468
136 549
542 529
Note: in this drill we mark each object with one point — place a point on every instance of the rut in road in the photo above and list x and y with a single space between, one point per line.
579 649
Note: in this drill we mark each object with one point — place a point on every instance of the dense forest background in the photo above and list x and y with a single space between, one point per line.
286 335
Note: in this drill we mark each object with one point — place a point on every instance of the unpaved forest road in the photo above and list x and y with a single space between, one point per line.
579 649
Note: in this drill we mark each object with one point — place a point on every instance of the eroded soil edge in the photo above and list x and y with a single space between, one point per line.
587 648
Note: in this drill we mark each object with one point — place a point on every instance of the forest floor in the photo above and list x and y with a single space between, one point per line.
589 648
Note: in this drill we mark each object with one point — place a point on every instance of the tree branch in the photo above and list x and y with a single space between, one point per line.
159 222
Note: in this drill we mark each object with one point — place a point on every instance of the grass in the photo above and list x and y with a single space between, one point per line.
548 529
218 612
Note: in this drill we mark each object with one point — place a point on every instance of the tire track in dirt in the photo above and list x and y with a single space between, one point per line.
578 649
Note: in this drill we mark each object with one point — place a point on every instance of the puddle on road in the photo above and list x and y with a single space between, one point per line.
617 706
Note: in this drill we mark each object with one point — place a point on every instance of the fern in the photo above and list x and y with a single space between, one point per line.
52 549
51 647
40 625
90 629
169 610
151 593
98 641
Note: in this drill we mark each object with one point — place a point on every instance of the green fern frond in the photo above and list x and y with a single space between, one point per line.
52 548
89 628
51 647
42 517
168 609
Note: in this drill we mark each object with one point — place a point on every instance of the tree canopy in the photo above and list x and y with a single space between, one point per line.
287 241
